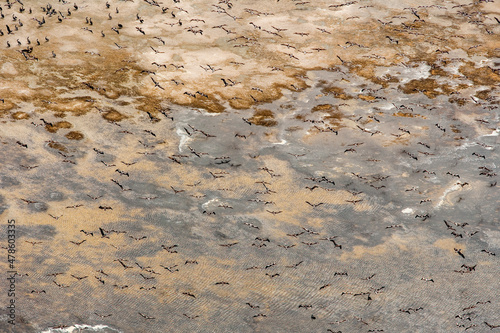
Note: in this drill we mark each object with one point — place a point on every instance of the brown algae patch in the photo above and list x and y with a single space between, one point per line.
323 108
366 69
484 76
20 115
149 104
54 127
337 92
437 70
76 106
407 114
429 87
74 135
6 106
334 116
458 101
367 98
113 116
57 146
209 105
484 94
263 118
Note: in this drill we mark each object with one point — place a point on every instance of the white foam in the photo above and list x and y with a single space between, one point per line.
407 211
184 138
78 328
494 133
209 202
452 188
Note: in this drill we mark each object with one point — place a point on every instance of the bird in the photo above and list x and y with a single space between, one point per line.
33 243
60 285
103 316
157 84
87 233
459 252
314 205
38 292
176 191
146 316
490 325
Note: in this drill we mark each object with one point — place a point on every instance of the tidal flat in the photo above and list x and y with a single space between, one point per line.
251 166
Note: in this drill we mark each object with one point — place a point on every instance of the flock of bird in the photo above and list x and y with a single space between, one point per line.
312 215
253 43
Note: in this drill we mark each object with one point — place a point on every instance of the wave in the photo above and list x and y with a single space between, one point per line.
82 328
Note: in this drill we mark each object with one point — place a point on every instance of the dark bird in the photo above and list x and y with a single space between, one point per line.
252 306
314 205
138 238
170 268
120 185
103 316
60 285
459 252
104 233
123 264
120 287
228 245
247 121
335 244
448 225
157 84
99 279
33 243
38 292
354 201
108 165
169 248
146 277
22 144
176 191
190 317
487 324
87 233
286 247
146 317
